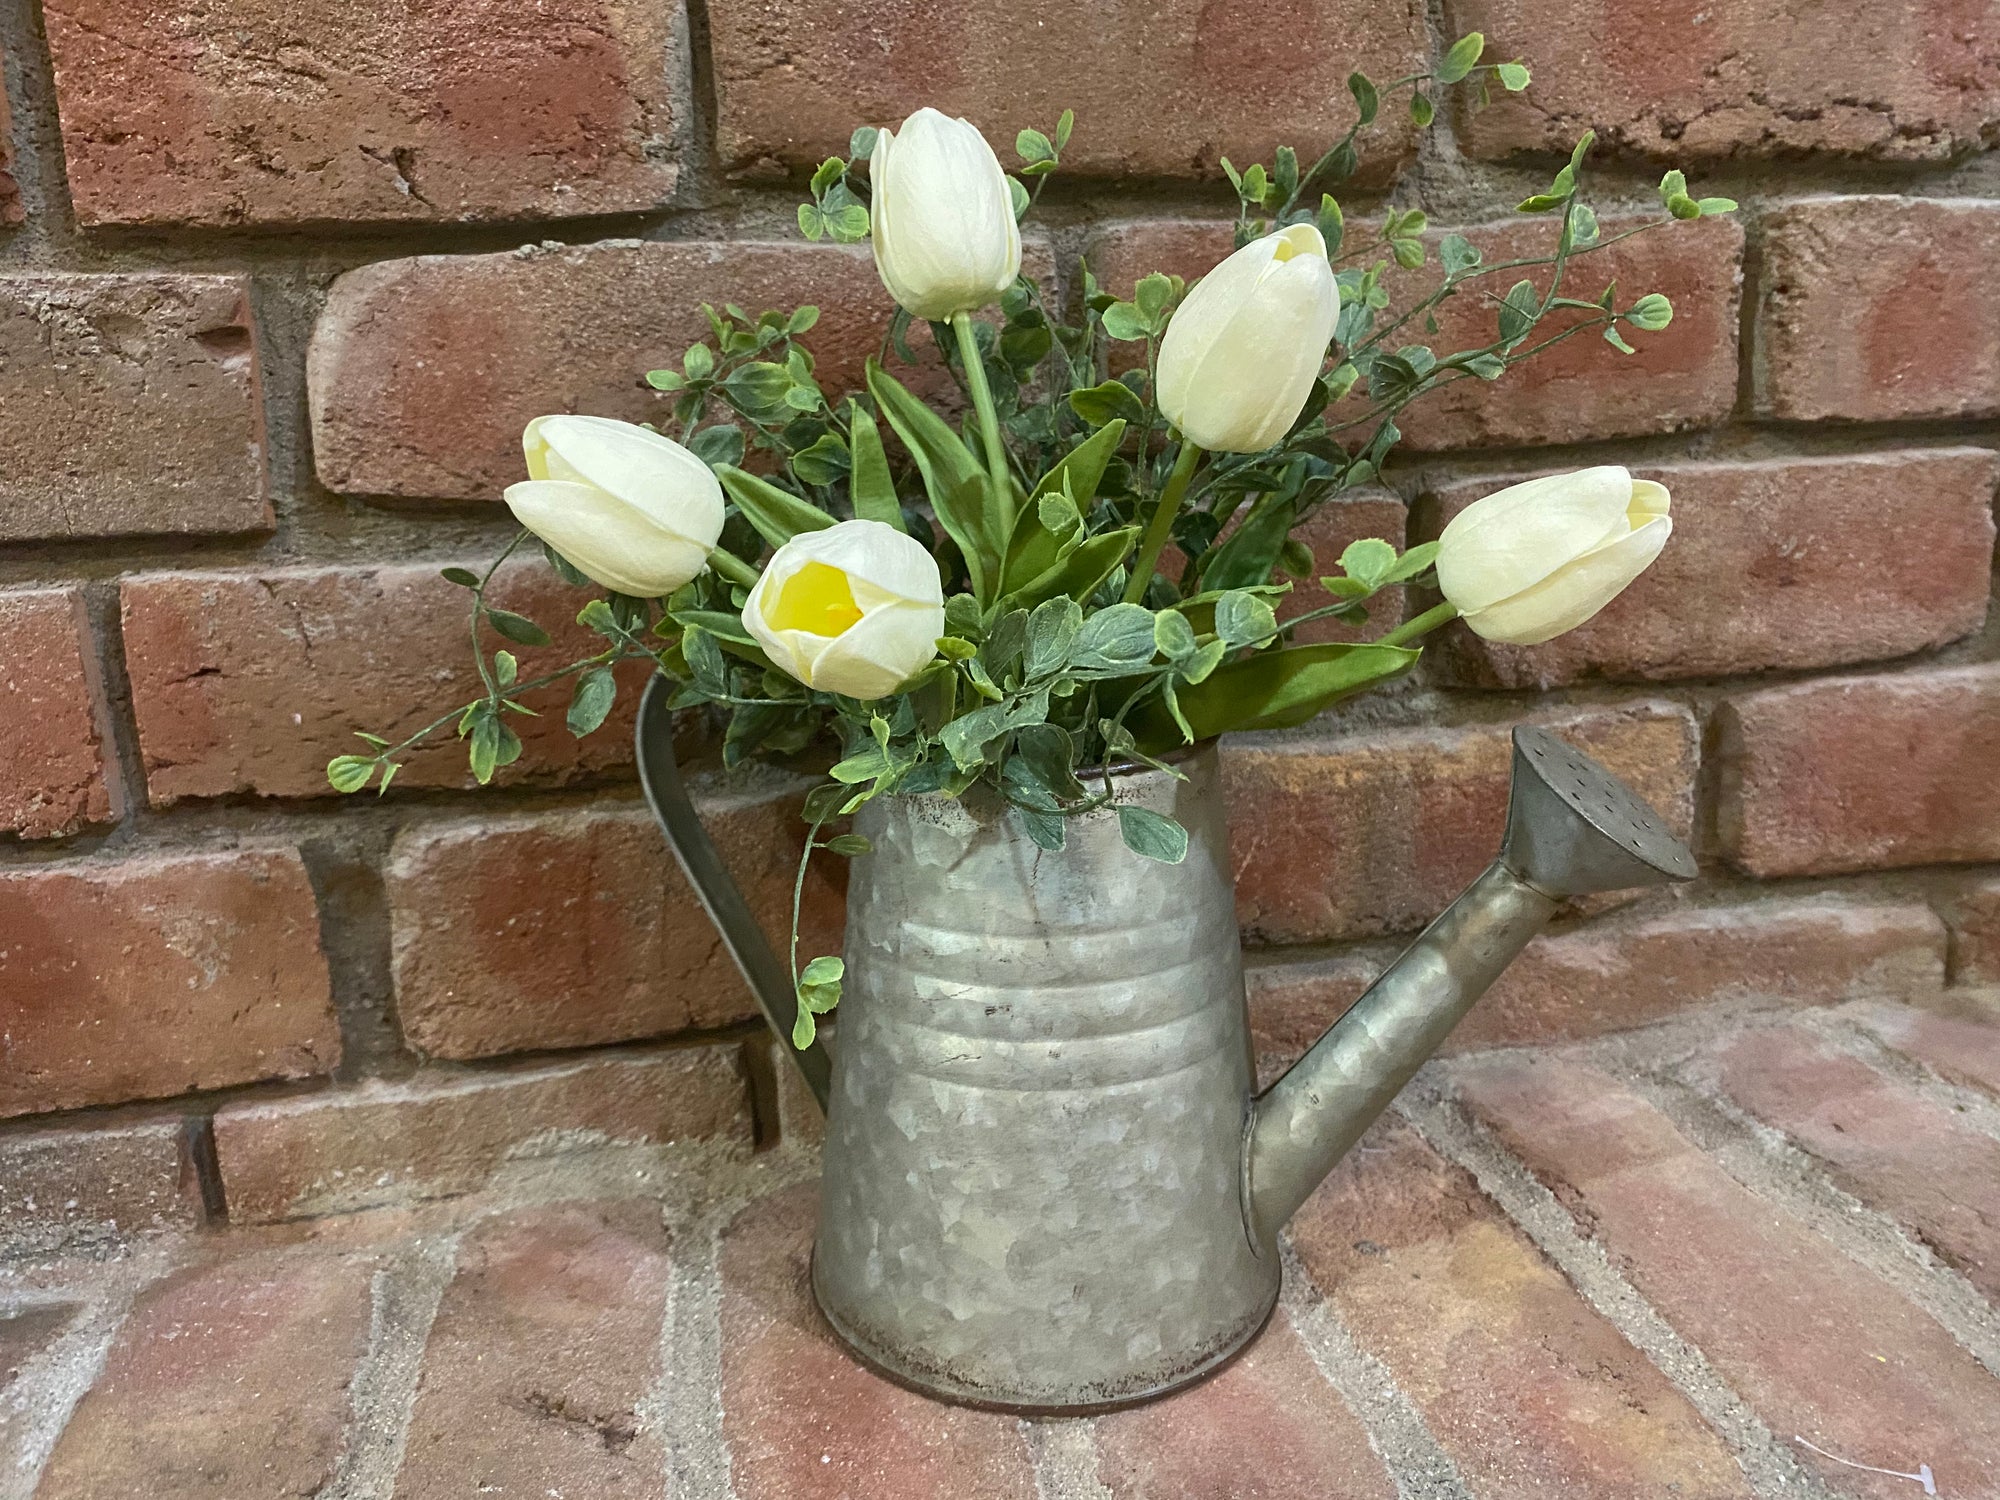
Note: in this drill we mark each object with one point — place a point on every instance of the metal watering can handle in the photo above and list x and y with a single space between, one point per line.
712 882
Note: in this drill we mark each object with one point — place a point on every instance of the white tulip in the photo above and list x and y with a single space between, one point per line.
941 217
1240 355
1536 559
856 608
632 509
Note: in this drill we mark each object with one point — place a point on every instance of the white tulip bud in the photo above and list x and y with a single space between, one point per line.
1240 355
941 217
1536 559
856 609
632 509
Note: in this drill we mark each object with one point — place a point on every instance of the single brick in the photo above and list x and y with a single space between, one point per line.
150 976
1528 1389
1959 1044
1872 309
423 372
259 113
1634 969
793 81
1775 564
1862 773
440 1134
1371 831
228 1379
1289 1434
1817 1344
11 209
541 1358
1883 1142
560 930
1682 377
80 1188
129 405
804 1421
1975 934
1853 78
253 681
52 772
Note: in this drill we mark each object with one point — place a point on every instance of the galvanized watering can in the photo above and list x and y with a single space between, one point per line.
1049 1182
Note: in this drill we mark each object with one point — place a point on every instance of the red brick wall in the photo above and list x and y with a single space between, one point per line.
280 287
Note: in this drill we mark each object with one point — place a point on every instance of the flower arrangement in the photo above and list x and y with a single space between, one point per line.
994 601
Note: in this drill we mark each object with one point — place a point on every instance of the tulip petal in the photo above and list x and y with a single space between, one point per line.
1574 592
874 555
941 217
1240 354
652 474
888 647
1514 538
605 538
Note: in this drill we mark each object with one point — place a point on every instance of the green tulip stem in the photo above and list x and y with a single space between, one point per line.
1423 624
732 567
989 420
1161 527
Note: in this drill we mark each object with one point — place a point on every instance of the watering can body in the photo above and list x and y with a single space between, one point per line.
1049 1183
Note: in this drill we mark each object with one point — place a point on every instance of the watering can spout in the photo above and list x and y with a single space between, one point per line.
1572 828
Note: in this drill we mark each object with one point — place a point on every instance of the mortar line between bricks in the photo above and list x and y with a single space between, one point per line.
52 1382
685 1403
1770 1165
1772 1470
1064 1454
1421 1469
382 1395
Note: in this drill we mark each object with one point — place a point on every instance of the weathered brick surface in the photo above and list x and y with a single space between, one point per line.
52 777
80 1186
1861 773
1529 1390
1975 934
1634 969
541 1358
228 1379
437 1135
1683 376
1870 309
1329 531
265 114
147 977
1882 1141
1274 1404
25 1333
1742 78
1814 1342
252 681
566 929
1962 1046
1784 563
129 405
424 371
802 1420
792 81
1373 831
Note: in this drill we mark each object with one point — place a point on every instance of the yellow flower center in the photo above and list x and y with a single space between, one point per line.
817 600
1284 250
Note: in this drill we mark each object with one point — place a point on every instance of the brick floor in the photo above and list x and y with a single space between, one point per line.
1666 1320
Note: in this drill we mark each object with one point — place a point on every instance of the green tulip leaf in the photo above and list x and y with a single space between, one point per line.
870 488
778 515
1270 690
957 485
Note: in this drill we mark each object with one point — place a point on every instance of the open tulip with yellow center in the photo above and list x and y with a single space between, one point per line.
855 609
941 217
1533 560
1239 358
632 509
